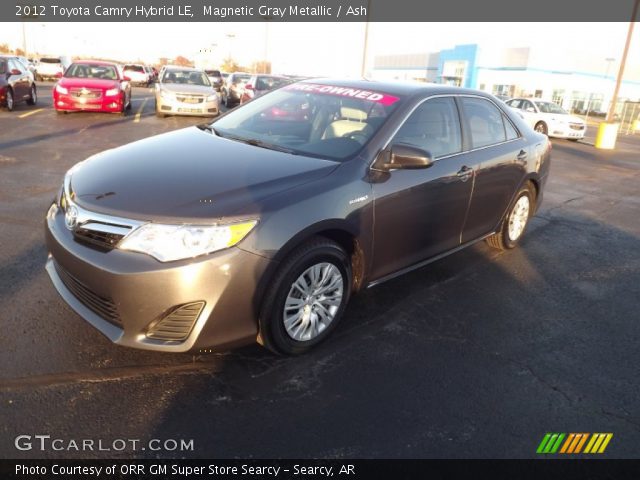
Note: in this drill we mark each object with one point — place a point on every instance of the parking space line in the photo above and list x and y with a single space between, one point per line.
30 113
139 112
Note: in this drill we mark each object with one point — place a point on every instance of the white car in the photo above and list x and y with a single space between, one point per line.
138 74
549 118
52 68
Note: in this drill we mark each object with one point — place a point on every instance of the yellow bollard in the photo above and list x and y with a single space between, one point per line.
636 126
607 136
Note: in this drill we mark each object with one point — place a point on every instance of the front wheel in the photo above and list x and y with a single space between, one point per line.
541 127
516 220
306 299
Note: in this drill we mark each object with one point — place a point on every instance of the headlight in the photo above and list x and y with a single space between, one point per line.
113 92
175 242
61 89
212 98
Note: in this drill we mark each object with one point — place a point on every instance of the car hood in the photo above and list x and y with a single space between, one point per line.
181 88
188 174
88 83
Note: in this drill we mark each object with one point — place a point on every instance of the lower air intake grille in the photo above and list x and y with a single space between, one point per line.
177 324
102 306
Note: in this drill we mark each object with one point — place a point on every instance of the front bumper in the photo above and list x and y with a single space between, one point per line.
566 131
172 106
142 291
69 103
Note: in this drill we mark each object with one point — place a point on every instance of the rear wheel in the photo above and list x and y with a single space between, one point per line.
516 220
9 100
306 298
33 96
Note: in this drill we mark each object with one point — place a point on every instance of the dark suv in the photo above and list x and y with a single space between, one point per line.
260 225
16 83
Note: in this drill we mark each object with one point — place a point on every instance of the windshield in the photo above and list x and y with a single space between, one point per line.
134 68
310 119
87 70
186 77
548 107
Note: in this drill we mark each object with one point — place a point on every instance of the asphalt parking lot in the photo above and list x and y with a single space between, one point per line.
475 356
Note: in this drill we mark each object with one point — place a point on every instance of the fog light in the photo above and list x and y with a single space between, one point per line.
176 325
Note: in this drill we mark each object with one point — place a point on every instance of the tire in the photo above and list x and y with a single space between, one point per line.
129 104
33 95
541 127
515 221
227 102
331 264
573 139
159 114
9 101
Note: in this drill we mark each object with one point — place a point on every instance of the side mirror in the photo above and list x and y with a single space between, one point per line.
405 157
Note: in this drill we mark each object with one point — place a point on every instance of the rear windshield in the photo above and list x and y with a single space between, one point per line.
241 78
50 60
212 73
324 121
269 83
88 70
186 77
134 68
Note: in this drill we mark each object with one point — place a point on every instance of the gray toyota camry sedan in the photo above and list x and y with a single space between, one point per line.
260 225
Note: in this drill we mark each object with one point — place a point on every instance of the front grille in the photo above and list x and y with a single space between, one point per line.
576 126
101 239
102 306
86 92
177 324
190 98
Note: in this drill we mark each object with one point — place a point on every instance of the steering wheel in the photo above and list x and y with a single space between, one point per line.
359 137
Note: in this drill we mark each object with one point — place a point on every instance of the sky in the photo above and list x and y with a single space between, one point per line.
316 48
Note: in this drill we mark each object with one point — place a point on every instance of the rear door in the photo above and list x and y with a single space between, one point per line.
19 81
420 213
499 157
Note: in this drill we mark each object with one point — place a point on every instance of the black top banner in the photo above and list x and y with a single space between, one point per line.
314 10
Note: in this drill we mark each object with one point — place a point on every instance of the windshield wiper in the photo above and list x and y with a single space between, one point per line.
262 144
208 128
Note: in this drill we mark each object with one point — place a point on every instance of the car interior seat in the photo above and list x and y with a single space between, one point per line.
351 121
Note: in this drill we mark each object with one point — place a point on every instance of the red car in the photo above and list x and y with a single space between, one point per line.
93 86
261 84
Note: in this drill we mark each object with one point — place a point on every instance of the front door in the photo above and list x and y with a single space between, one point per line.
420 213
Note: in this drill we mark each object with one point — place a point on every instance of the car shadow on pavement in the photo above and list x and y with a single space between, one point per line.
481 344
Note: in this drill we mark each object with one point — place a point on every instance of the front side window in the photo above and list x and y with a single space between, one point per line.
548 107
485 122
434 126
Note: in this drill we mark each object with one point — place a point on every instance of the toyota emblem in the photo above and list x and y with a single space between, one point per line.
71 217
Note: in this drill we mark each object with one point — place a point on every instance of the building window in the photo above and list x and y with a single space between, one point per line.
538 94
558 96
504 90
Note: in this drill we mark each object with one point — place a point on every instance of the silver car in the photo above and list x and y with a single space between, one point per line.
186 91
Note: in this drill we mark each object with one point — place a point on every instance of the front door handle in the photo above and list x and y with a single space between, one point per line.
522 155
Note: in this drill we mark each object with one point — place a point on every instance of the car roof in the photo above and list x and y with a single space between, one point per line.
189 69
397 88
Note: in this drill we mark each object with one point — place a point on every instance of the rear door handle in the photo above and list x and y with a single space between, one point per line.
522 155
464 173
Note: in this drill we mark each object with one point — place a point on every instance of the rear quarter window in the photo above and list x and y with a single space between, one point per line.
485 122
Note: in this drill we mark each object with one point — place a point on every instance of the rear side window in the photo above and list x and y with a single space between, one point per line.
514 103
434 126
510 130
485 122
3 66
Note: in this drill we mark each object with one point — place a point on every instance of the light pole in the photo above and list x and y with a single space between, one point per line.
365 47
266 19
608 130
230 36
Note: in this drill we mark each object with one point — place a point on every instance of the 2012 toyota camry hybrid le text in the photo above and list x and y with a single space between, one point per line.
262 224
